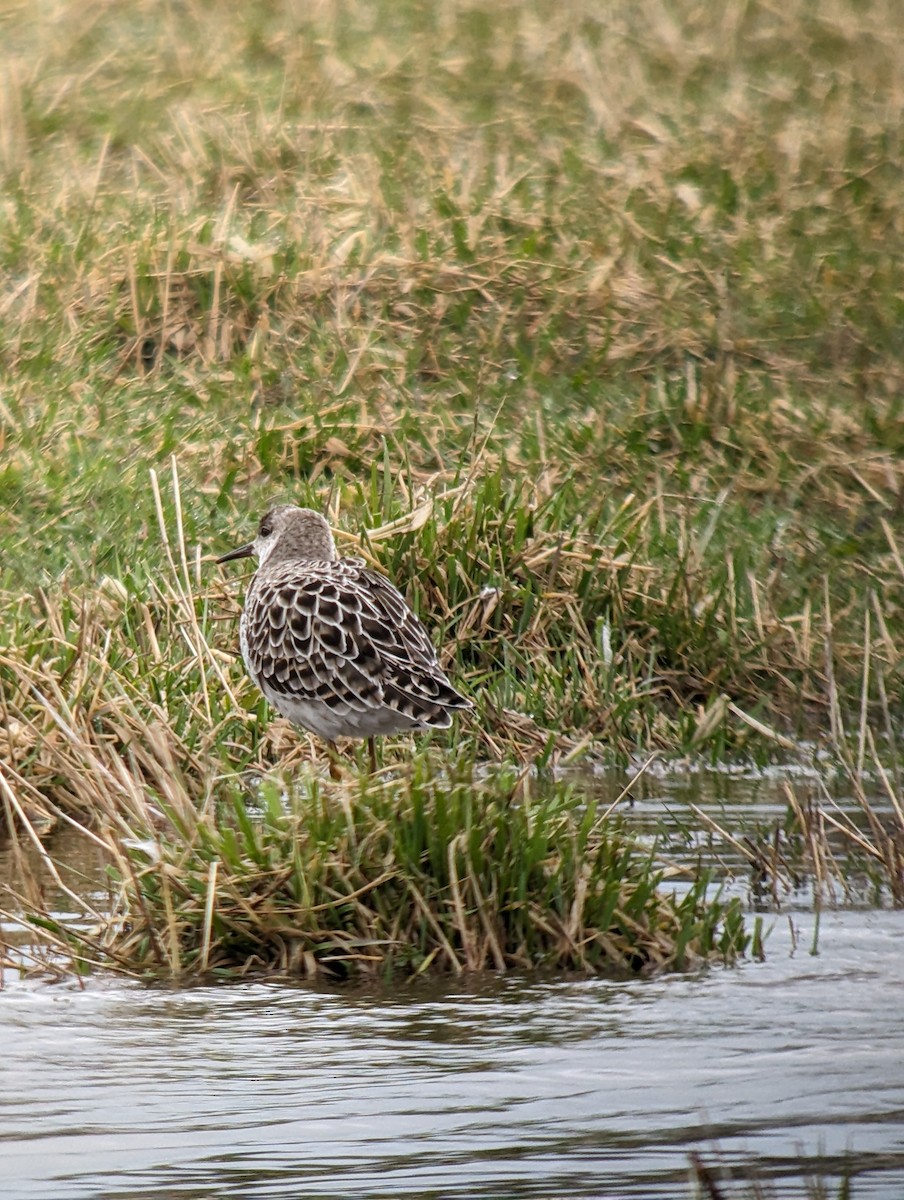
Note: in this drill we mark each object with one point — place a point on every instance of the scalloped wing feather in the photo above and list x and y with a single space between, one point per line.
340 635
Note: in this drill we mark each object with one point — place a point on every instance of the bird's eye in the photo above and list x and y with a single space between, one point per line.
266 527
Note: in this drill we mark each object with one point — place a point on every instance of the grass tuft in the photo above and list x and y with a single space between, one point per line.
586 329
396 876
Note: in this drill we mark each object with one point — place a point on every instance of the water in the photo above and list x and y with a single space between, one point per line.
509 1088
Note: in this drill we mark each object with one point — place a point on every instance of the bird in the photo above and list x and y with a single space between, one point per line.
332 644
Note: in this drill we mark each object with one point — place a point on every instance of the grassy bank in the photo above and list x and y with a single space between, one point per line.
442 870
622 291
587 328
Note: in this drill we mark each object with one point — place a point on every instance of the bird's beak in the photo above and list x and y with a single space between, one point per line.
243 552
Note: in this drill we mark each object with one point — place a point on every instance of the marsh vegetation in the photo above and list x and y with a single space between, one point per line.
585 327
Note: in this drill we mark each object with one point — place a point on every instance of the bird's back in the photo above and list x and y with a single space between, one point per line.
335 647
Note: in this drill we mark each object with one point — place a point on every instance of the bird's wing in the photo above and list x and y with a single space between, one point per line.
301 640
341 634
409 666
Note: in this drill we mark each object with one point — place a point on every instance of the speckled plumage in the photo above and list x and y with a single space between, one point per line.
332 644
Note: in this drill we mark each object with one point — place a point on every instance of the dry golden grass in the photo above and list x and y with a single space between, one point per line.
260 166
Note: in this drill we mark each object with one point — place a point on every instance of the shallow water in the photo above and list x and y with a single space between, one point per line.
507 1089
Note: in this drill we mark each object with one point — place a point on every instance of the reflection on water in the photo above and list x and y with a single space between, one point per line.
507 1089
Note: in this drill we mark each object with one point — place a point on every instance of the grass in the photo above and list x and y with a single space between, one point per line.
587 326
651 330
851 852
391 877
750 1181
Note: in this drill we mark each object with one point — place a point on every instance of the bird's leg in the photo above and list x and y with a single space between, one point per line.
333 755
372 754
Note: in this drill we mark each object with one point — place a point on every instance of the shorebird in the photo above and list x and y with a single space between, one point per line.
332 644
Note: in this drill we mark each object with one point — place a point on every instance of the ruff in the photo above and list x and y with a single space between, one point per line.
330 643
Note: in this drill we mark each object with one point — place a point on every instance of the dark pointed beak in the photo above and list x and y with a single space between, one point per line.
243 552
